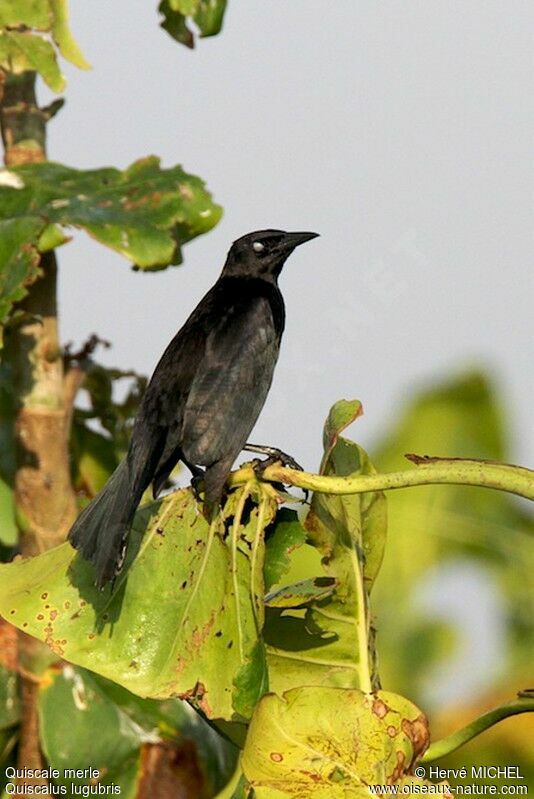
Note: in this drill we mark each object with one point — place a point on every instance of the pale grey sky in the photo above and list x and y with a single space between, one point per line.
401 131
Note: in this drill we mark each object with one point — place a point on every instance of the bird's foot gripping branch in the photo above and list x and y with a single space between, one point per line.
259 618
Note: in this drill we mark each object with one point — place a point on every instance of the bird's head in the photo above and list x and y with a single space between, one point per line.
263 253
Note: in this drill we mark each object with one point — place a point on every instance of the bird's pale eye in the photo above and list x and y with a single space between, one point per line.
258 246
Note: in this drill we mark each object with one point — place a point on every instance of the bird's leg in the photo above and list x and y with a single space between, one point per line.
275 455
198 477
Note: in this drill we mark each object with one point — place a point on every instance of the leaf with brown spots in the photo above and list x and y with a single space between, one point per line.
330 743
145 213
184 618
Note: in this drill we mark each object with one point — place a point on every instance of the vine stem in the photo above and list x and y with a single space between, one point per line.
523 704
502 477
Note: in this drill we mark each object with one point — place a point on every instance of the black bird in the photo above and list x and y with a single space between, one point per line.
203 399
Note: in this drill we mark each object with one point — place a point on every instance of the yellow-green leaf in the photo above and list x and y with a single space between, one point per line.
63 36
331 743
331 642
22 51
35 14
184 620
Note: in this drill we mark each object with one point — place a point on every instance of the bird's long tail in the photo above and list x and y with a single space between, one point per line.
101 530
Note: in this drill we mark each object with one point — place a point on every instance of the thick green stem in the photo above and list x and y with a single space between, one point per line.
23 123
524 704
514 479
43 494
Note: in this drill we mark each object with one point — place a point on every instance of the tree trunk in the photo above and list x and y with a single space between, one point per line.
44 499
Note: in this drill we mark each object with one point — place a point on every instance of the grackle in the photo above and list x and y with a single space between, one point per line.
203 399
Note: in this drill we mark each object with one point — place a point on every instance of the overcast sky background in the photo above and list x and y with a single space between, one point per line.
400 131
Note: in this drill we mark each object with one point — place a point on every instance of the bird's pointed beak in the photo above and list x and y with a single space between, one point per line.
292 240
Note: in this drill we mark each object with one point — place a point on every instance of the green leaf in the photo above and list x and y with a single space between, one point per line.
208 16
74 703
173 721
185 7
8 743
51 237
8 528
63 36
235 787
184 620
7 447
175 24
19 259
251 681
30 13
23 51
462 416
353 526
71 708
342 414
45 16
302 593
331 743
145 213
289 535
331 642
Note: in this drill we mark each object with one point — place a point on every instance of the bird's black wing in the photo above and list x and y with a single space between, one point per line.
212 380
158 428
231 384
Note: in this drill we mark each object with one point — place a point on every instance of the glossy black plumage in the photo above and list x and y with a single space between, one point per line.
204 397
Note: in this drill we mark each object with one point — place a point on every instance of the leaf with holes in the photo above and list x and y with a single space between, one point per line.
330 643
184 620
146 213
288 537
